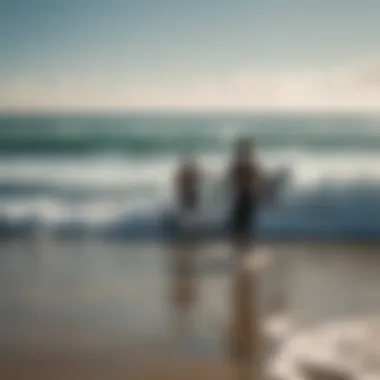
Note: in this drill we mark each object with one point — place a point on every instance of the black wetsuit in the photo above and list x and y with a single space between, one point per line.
244 177
187 199
187 190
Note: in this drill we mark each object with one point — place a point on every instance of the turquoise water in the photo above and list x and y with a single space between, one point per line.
112 173
159 134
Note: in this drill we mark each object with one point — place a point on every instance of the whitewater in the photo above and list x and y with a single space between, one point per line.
110 175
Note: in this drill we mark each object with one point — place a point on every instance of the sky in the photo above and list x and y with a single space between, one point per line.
271 55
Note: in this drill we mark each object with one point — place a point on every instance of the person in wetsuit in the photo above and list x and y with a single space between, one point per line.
187 198
245 181
187 186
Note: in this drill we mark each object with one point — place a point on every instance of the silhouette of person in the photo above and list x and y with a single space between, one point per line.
245 179
187 198
187 183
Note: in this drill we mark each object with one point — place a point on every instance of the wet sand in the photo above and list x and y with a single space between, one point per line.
91 310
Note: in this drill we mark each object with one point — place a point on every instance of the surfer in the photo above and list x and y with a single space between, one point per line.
187 186
245 179
187 195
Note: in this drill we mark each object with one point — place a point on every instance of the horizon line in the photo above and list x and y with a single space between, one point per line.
185 111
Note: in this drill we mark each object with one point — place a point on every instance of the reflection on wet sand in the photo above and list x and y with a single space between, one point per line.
243 338
183 296
91 310
184 276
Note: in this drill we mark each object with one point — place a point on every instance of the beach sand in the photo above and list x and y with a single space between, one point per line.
93 310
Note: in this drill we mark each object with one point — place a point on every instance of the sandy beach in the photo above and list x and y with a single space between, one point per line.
93 310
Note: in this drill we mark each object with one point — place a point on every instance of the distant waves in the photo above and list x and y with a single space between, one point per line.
110 176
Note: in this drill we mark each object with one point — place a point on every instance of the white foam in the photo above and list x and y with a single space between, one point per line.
86 173
311 169
308 169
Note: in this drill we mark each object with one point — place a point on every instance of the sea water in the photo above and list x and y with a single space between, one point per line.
110 175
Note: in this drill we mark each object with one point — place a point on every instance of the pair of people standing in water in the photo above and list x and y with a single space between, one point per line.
244 181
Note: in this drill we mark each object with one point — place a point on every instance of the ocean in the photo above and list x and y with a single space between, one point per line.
110 175
97 307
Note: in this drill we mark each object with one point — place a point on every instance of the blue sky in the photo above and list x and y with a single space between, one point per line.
150 53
